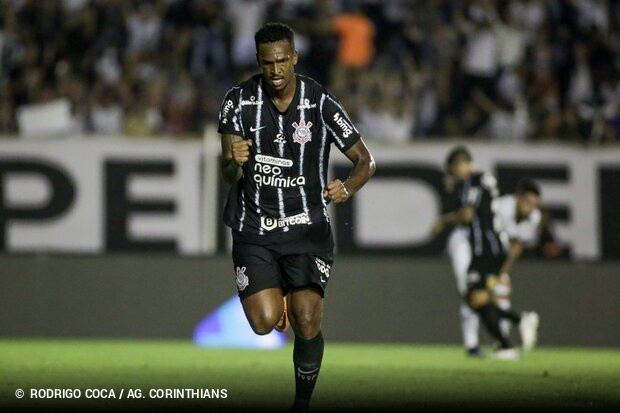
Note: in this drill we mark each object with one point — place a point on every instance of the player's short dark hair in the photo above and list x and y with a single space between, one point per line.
458 153
273 32
527 185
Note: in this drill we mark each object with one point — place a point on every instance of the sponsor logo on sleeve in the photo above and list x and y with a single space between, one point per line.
346 128
227 106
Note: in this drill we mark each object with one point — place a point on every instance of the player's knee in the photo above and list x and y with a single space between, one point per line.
307 321
261 327
264 322
304 317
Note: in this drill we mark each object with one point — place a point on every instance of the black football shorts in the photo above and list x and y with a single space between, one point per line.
483 272
304 261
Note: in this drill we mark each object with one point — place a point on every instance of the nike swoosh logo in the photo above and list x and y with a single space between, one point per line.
307 372
255 129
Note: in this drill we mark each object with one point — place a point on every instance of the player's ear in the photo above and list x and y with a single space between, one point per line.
257 59
295 57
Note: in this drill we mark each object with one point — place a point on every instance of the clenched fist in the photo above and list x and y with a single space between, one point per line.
241 151
336 191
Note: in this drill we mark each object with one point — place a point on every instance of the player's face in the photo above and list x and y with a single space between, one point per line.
461 168
527 202
277 61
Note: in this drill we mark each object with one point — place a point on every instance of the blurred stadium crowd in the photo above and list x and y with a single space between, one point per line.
512 70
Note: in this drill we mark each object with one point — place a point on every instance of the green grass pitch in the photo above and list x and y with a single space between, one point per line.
353 376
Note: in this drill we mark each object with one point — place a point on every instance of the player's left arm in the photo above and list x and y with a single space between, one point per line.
526 235
363 168
514 252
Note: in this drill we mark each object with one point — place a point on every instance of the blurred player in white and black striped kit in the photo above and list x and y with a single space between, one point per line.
489 235
277 128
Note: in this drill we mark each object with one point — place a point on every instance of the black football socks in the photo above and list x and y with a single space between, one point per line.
491 315
307 356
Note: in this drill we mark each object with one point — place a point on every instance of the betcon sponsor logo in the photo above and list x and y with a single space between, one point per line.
299 219
270 223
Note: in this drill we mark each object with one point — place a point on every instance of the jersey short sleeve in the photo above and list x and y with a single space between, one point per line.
339 126
229 117
489 183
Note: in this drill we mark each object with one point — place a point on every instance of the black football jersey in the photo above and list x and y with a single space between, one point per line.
284 178
488 242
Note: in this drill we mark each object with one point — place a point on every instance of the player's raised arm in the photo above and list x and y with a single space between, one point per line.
363 168
235 152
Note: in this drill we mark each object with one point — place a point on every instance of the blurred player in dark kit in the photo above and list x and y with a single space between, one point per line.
488 236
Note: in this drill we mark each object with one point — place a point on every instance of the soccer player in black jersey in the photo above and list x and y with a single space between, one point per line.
477 210
276 131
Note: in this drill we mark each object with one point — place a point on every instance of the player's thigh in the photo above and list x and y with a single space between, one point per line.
307 261
256 269
478 293
306 271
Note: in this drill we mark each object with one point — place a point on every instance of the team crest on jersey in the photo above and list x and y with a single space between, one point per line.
241 279
302 134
